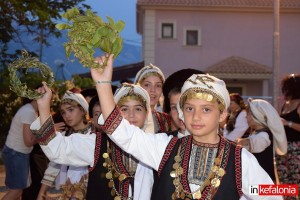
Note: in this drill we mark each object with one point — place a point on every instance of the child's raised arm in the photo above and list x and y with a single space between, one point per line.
102 78
44 102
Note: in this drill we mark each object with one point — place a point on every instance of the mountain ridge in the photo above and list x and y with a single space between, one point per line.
54 56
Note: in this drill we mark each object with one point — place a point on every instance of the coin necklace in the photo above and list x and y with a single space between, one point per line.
212 179
113 173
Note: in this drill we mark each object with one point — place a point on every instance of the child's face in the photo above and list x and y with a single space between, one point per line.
202 119
250 120
73 115
233 106
153 85
174 99
134 112
96 113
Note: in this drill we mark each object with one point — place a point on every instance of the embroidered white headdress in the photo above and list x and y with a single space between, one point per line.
146 70
264 113
208 86
78 98
131 89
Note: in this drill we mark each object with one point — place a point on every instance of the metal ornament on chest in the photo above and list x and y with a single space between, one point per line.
213 179
114 173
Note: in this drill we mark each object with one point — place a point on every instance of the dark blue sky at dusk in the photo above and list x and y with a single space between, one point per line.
119 10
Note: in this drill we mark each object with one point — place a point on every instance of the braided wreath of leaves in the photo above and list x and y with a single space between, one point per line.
87 33
27 62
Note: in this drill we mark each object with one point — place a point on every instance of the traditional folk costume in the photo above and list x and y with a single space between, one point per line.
162 121
113 174
263 141
189 169
236 124
72 179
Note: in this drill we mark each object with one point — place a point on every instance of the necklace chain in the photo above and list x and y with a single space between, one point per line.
213 178
114 173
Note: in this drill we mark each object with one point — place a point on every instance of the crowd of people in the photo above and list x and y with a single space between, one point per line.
201 142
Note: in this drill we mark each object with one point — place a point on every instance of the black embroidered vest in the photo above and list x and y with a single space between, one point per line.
98 184
231 184
265 158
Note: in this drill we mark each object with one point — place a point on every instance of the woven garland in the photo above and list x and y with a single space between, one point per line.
87 33
27 62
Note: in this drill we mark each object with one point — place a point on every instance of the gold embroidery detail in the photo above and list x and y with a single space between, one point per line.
203 79
213 179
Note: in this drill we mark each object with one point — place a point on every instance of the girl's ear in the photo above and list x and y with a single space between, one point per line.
223 116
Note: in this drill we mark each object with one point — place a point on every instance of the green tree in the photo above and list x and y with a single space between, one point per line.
36 19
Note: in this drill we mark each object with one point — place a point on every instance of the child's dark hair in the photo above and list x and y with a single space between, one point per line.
237 98
175 90
94 101
89 92
177 80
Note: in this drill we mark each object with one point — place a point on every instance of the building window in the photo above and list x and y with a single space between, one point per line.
167 30
235 89
192 37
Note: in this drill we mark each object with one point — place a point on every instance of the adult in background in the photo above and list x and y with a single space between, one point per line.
16 151
288 166
236 124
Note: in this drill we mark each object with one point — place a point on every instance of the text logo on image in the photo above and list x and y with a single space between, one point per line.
272 190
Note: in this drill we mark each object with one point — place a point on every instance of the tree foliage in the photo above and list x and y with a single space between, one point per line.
36 19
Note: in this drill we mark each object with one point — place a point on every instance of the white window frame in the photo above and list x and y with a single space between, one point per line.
185 30
160 33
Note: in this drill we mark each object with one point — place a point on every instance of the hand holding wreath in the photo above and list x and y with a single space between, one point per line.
87 33
27 62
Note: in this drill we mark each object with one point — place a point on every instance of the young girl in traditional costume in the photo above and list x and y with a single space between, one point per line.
267 134
72 179
236 122
152 79
114 174
203 165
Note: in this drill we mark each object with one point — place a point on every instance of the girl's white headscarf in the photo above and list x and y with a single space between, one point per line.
264 113
204 83
146 70
78 98
129 89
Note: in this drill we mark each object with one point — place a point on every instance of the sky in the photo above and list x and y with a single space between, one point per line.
119 10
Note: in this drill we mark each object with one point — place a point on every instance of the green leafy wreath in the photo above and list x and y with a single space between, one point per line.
88 32
27 62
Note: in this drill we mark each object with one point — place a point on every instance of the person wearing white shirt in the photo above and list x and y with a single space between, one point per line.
202 164
117 174
267 134
236 122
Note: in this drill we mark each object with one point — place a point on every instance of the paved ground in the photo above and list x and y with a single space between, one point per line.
3 188
2 179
